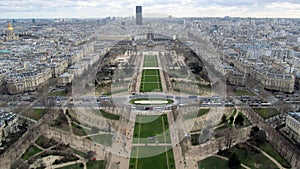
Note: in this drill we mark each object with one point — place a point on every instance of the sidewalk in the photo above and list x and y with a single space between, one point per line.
269 157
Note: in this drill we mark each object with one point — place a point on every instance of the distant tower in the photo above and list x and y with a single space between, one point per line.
10 35
139 19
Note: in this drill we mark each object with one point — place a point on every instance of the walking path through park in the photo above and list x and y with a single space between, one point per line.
165 140
234 118
269 157
225 158
122 145
161 73
48 160
139 74
69 123
174 128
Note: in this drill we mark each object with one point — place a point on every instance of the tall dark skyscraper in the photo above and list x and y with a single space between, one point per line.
139 19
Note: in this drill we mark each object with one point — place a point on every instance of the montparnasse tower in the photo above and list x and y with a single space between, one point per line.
10 34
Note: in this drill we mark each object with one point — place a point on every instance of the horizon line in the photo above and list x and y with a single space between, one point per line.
172 17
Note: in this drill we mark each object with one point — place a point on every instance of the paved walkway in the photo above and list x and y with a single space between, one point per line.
161 73
234 118
139 75
225 158
69 123
48 160
269 157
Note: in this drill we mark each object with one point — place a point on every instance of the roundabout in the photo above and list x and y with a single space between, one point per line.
151 87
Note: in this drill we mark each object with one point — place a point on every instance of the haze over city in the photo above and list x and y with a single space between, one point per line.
177 8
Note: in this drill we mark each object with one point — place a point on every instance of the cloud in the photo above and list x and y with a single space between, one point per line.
102 8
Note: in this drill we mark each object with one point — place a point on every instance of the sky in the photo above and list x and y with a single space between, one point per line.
124 8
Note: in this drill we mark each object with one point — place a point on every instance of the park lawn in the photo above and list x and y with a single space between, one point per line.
30 152
252 158
44 142
146 151
61 122
268 148
213 162
64 127
105 139
109 115
151 79
244 93
158 160
246 120
151 87
171 159
204 86
266 113
228 122
149 72
151 126
200 113
36 114
78 152
100 164
222 127
57 93
78 130
150 61
72 166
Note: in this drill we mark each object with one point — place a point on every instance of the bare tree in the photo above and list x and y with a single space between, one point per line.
229 136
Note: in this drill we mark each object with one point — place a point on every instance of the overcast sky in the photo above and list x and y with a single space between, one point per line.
176 8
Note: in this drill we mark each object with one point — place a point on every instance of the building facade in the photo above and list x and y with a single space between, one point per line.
10 34
30 81
139 19
293 125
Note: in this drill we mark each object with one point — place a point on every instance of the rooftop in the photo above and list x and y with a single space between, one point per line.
295 115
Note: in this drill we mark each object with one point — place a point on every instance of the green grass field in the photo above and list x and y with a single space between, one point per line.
72 166
196 114
58 93
151 126
213 162
251 158
105 139
35 114
157 157
78 130
151 81
109 115
266 113
30 152
268 148
96 164
246 120
150 61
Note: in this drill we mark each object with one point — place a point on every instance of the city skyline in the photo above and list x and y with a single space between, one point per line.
187 93
99 9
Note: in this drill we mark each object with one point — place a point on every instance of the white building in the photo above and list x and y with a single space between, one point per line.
293 124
